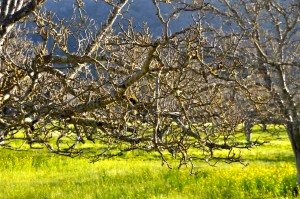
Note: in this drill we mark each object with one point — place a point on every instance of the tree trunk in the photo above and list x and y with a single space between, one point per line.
264 127
293 129
248 130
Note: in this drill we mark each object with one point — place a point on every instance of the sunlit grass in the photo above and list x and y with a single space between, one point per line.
36 174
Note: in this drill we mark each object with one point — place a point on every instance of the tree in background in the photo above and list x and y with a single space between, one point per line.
67 81
264 37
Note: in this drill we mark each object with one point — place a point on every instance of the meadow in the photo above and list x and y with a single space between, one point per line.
270 173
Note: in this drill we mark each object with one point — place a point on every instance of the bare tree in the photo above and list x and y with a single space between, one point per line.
11 13
125 89
266 42
117 86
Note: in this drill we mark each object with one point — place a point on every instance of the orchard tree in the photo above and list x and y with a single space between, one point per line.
70 80
264 37
67 81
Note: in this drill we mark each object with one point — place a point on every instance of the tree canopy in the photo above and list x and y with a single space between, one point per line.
65 81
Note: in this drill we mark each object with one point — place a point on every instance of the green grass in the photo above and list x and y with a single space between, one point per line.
36 174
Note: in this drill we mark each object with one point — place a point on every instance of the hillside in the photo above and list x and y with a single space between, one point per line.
140 11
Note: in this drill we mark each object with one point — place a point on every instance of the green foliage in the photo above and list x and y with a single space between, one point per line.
35 174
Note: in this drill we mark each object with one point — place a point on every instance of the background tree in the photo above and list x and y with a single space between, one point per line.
265 36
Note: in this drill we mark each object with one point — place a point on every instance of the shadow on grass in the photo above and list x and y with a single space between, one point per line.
272 158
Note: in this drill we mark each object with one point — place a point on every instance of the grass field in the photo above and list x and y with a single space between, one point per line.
37 174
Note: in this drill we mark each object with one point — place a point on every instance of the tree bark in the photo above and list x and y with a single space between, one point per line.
293 129
248 130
